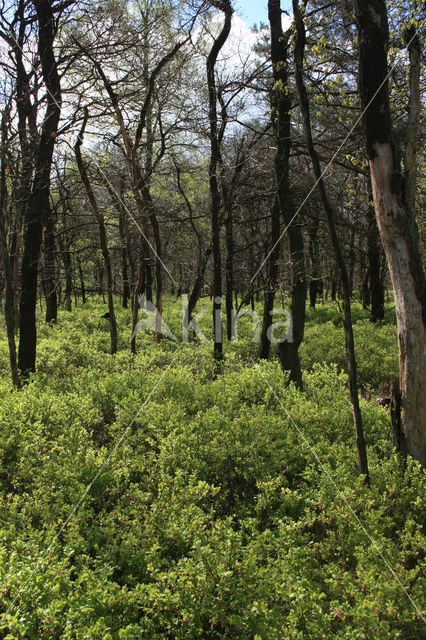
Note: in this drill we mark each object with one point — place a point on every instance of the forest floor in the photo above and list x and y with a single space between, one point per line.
160 496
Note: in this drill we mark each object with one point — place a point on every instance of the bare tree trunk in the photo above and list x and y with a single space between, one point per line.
49 272
64 246
376 283
82 285
288 348
229 273
9 305
124 261
158 265
271 280
102 233
197 288
135 307
215 160
351 260
314 283
395 211
39 204
347 317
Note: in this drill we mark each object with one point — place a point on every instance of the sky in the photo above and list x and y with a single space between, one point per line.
252 11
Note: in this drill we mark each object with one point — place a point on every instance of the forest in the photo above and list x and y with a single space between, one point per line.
212 329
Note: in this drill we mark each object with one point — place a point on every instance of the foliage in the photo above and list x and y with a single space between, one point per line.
231 507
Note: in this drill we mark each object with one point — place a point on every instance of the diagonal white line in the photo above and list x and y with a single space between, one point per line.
324 171
340 493
90 485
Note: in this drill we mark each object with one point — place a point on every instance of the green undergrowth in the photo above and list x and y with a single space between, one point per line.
158 496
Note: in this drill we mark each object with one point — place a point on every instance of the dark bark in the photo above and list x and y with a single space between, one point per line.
10 293
271 280
281 118
340 261
197 288
38 210
377 289
124 261
314 256
215 161
49 272
82 285
158 264
351 260
136 303
229 273
64 246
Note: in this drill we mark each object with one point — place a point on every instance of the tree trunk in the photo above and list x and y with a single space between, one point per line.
215 161
49 273
271 279
158 265
395 211
347 317
39 204
198 286
288 348
9 305
351 260
124 260
82 285
64 246
314 283
373 249
136 303
229 273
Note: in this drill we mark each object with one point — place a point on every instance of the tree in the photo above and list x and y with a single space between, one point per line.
38 212
347 317
395 214
283 205
9 306
215 161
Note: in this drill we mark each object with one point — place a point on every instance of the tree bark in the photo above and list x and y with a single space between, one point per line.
347 317
38 210
82 285
215 161
229 273
64 246
124 261
395 213
10 294
49 272
281 113
377 291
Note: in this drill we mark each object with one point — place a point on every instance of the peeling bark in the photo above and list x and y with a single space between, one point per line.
395 215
